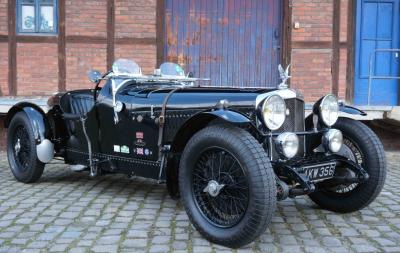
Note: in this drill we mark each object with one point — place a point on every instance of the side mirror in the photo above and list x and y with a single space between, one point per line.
94 76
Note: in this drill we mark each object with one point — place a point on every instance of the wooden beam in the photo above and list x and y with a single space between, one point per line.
110 33
311 45
136 41
62 66
86 39
160 40
351 33
287 33
36 39
12 49
3 38
335 47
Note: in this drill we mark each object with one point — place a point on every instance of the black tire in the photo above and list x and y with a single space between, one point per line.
367 150
256 199
24 164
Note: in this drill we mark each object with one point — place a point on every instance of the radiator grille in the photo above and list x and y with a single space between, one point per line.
294 123
295 120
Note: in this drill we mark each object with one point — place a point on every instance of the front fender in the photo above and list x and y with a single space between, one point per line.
351 110
230 116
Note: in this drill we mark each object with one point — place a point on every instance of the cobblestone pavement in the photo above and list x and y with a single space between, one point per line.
69 212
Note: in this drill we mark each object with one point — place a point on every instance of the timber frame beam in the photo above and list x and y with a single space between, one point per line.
12 49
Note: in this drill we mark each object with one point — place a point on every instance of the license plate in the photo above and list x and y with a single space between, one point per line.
319 171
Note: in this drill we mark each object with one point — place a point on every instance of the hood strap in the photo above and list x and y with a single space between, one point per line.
161 121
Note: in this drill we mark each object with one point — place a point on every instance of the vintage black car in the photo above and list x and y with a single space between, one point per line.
229 153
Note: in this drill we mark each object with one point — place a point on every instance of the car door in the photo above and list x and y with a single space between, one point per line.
135 135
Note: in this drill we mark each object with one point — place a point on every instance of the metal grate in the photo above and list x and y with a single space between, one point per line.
294 123
295 120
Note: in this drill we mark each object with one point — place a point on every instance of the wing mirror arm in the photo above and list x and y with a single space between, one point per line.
114 90
117 105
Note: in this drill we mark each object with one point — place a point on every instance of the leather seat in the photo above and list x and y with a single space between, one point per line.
79 103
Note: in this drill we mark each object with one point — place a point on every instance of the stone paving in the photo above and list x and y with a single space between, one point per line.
69 212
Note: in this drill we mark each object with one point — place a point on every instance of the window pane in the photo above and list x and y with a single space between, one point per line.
47 18
28 17
28 1
46 2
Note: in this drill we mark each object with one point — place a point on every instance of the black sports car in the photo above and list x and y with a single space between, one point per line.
229 153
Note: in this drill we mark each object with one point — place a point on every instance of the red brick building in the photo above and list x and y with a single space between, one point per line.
49 45
317 36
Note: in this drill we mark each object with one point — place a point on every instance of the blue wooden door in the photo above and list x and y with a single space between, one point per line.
232 42
377 28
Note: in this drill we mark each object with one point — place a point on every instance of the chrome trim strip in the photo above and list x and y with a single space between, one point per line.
285 94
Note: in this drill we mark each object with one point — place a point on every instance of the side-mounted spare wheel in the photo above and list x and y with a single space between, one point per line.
21 150
227 185
361 145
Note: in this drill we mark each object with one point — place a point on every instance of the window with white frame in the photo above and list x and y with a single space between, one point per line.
37 16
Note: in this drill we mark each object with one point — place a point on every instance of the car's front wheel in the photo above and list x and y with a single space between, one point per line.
361 145
227 185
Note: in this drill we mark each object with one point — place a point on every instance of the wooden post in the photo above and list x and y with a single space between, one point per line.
287 33
351 23
110 33
160 31
62 68
12 49
335 47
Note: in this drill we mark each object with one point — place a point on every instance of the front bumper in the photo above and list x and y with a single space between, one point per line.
292 181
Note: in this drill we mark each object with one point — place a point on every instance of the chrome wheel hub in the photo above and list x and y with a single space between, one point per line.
213 188
17 146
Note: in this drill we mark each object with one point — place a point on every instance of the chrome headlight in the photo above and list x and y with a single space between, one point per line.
287 144
333 140
274 112
329 110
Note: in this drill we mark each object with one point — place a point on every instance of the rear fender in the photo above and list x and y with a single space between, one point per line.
35 115
37 118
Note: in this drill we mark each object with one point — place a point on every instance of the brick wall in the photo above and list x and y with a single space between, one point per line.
37 63
3 17
135 19
86 17
312 48
144 55
37 68
3 69
315 18
80 58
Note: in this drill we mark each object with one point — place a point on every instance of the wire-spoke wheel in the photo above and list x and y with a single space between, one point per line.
21 150
220 187
352 152
227 185
363 147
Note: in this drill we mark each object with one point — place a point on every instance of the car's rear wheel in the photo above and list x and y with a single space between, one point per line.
227 185
362 146
21 150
